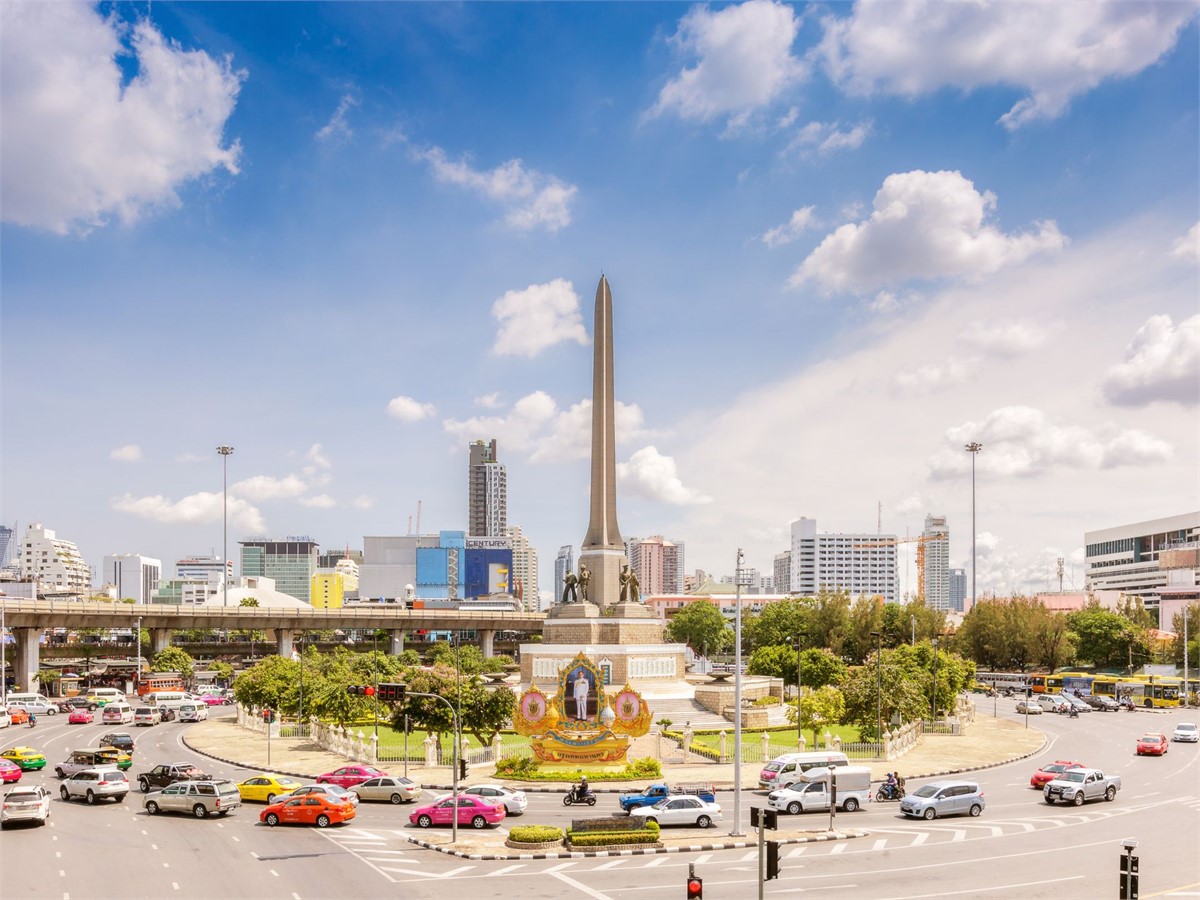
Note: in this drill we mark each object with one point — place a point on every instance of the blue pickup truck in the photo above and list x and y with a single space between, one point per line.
656 793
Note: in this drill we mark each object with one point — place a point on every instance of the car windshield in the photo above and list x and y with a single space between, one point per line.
1185 727
930 789
772 767
1074 776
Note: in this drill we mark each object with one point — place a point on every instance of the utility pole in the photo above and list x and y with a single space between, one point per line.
737 700
973 448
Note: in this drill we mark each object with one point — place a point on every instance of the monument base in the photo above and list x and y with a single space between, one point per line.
604 568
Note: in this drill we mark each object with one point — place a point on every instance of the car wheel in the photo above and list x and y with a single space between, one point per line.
91 797
322 821
851 805
200 811
794 808
121 798
60 773
152 808
479 822
1049 801
144 784
703 822
1111 794
424 821
396 798
272 819
930 813
65 794
1078 798
270 799
976 809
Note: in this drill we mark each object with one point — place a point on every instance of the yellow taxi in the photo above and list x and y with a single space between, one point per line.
266 787
25 757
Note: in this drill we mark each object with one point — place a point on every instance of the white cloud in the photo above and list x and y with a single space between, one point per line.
1162 362
823 138
408 410
1187 246
742 61
913 503
571 434
1020 441
1005 339
654 476
489 401
532 198
320 501
338 129
930 377
1055 51
362 501
128 453
536 318
317 458
79 144
924 225
267 487
802 219
518 430
200 508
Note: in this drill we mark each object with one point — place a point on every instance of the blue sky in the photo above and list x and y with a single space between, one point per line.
842 239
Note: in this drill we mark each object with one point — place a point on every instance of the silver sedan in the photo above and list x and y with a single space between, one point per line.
389 789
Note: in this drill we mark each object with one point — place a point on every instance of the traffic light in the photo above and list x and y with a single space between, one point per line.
392 692
462 770
695 888
268 716
369 690
772 859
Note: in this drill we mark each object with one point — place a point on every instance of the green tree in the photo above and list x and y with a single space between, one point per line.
821 668
1192 612
1052 639
172 659
903 695
428 713
408 658
265 684
700 624
829 620
779 623
249 601
866 616
820 709
485 710
1134 609
1107 638
778 661
223 670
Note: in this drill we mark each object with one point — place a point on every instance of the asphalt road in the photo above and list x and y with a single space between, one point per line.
1019 847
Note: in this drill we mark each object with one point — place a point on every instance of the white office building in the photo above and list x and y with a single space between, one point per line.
935 543
857 563
54 563
1145 559
525 568
132 575
208 568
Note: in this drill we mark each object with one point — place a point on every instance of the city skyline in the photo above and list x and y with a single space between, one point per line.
330 236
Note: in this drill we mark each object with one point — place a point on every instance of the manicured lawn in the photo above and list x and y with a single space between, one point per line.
848 733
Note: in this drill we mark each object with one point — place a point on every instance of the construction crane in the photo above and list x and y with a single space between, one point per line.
920 540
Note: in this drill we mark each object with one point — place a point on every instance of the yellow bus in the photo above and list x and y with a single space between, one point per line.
1161 691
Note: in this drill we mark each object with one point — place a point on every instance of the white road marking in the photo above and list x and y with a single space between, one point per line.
753 854
921 838
1001 887
235 837
657 861
273 872
175 884
879 844
58 854
559 867
62 873
508 869
703 858
838 848
795 852
959 835
566 879
154 846
612 864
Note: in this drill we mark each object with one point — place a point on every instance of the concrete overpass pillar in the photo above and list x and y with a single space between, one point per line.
27 662
487 642
395 642
160 639
284 641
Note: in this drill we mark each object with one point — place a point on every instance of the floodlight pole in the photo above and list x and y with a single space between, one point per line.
225 451
737 700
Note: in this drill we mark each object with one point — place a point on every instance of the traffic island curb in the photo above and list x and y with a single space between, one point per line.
241 765
848 834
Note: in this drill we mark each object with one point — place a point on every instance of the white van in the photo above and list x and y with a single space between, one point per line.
105 696
170 699
813 791
784 771
117 714
26 698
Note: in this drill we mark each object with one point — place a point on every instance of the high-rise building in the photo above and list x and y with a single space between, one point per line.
858 563
525 568
328 589
447 565
8 541
936 541
563 563
291 562
56 564
958 589
209 568
329 559
782 571
487 492
134 576
658 564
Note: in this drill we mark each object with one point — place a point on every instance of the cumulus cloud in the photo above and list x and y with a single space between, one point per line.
1162 362
316 458
924 225
320 501
654 476
1187 247
338 129
408 410
823 138
930 377
200 508
128 453
801 220
1005 339
489 401
81 145
742 61
536 318
1055 51
1019 441
532 198
267 487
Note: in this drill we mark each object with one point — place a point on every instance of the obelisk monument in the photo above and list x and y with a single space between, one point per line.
603 550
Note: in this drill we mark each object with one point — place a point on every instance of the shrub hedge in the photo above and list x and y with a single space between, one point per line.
535 834
609 838
527 768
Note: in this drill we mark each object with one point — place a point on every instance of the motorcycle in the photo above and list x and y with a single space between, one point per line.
573 796
890 792
1074 713
32 720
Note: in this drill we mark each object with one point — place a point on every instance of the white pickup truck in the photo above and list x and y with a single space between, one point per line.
1079 785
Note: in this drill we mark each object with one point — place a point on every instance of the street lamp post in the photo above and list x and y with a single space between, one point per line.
139 651
737 699
225 451
4 658
799 687
300 644
933 699
973 448
878 635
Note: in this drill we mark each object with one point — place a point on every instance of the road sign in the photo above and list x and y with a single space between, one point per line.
768 817
1129 887
1129 864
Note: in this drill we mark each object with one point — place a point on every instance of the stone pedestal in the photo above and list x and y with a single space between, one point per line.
604 585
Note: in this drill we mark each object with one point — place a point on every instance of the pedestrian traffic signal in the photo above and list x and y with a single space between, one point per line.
462 770
392 692
695 888
772 860
268 716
